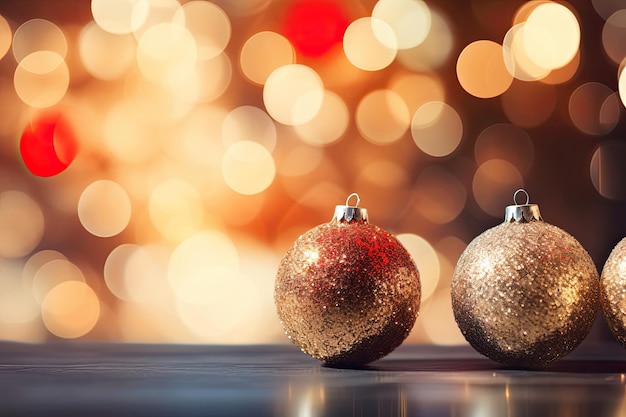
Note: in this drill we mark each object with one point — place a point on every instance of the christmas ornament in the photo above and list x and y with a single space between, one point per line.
347 292
612 290
525 292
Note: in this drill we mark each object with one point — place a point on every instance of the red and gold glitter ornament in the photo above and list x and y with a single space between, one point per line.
347 292
525 292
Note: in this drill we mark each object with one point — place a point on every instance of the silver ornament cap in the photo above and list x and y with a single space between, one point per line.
348 213
524 213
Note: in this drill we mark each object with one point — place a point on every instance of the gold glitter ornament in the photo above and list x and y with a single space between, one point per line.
347 292
525 292
613 291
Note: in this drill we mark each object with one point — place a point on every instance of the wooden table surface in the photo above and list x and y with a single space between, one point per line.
67 379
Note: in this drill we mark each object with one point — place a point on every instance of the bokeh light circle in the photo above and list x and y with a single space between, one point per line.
426 260
382 117
105 56
481 69
293 94
264 52
175 209
248 168
551 35
410 21
199 264
21 224
249 123
37 35
209 25
437 129
362 45
492 185
608 171
594 109
70 310
120 16
104 208
330 123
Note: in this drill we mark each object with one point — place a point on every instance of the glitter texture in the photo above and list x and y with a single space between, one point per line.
525 293
613 291
347 293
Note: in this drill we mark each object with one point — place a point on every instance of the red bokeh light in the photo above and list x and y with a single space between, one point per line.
48 144
315 26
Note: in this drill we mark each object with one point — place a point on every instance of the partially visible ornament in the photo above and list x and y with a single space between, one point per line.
347 292
613 291
525 292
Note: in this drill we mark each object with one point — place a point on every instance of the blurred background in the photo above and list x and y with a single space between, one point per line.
158 157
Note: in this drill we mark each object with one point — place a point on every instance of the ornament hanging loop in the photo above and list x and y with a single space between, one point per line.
358 200
348 213
523 213
521 190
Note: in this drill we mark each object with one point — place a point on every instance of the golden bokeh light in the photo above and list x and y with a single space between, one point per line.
293 94
363 46
145 277
410 21
53 273
153 13
127 131
594 109
438 321
263 53
516 58
605 8
105 56
21 224
613 33
418 89
329 125
119 16
167 54
607 170
437 129
175 209
382 117
299 159
36 261
249 123
115 269
551 35
426 260
209 80
70 310
434 51
481 69
621 87
17 305
104 208
492 183
248 168
41 79
38 35
231 318
6 36
209 25
201 265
